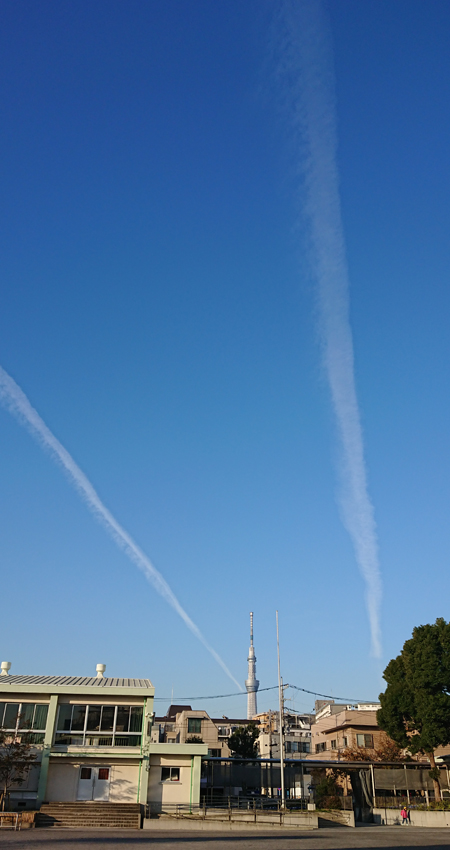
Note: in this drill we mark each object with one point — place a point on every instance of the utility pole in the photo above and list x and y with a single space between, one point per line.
281 700
270 733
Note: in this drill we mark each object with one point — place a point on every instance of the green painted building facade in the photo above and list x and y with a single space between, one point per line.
92 739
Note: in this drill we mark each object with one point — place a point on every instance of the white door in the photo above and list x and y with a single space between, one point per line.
93 783
101 783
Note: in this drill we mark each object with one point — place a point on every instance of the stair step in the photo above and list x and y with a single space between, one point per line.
88 814
82 805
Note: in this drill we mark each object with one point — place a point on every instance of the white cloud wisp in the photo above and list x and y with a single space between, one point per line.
16 402
307 83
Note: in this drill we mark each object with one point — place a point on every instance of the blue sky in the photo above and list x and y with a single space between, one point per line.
158 312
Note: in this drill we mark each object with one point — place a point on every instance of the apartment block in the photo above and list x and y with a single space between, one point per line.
183 724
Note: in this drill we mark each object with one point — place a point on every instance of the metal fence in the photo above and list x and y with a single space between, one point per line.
342 802
254 778
411 802
227 806
240 803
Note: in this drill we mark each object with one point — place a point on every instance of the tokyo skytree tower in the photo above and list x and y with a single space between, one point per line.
251 683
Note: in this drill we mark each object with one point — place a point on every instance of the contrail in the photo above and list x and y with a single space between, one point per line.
307 79
15 400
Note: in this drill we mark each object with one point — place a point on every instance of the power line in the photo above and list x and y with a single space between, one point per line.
215 696
272 688
328 696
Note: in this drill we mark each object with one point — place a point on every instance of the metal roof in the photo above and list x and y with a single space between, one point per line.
75 681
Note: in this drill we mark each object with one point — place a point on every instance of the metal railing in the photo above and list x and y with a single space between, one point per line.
335 803
382 802
230 804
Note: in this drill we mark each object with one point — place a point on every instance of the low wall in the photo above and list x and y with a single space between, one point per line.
224 819
392 817
336 818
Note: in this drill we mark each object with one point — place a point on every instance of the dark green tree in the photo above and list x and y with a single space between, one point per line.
415 707
243 741
16 760
327 793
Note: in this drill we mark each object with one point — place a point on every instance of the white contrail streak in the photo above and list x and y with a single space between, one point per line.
306 70
15 400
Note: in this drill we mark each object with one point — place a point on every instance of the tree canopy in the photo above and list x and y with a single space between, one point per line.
16 760
386 750
415 707
243 741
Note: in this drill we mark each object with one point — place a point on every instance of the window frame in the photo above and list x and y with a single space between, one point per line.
196 722
171 776
34 735
367 739
101 737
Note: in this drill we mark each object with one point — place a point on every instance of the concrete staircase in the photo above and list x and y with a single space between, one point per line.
90 815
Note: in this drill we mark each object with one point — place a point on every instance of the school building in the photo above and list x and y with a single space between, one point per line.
92 739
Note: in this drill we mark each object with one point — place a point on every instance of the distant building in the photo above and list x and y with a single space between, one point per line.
182 724
297 735
340 726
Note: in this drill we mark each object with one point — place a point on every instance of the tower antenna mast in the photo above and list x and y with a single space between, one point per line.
251 683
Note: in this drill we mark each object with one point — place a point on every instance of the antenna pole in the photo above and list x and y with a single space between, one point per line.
251 683
281 699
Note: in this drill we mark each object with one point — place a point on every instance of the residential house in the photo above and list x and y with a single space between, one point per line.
183 724
338 727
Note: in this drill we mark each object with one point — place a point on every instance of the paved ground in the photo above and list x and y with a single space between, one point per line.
324 839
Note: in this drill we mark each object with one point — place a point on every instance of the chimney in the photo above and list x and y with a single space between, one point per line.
5 666
100 670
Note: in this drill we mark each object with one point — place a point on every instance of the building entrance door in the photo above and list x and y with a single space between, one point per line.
93 783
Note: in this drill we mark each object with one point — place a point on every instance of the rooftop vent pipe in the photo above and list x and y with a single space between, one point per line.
5 666
100 670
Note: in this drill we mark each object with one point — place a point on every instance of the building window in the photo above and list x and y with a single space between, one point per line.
27 719
297 747
364 741
334 744
320 748
345 740
215 754
99 725
170 774
194 725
